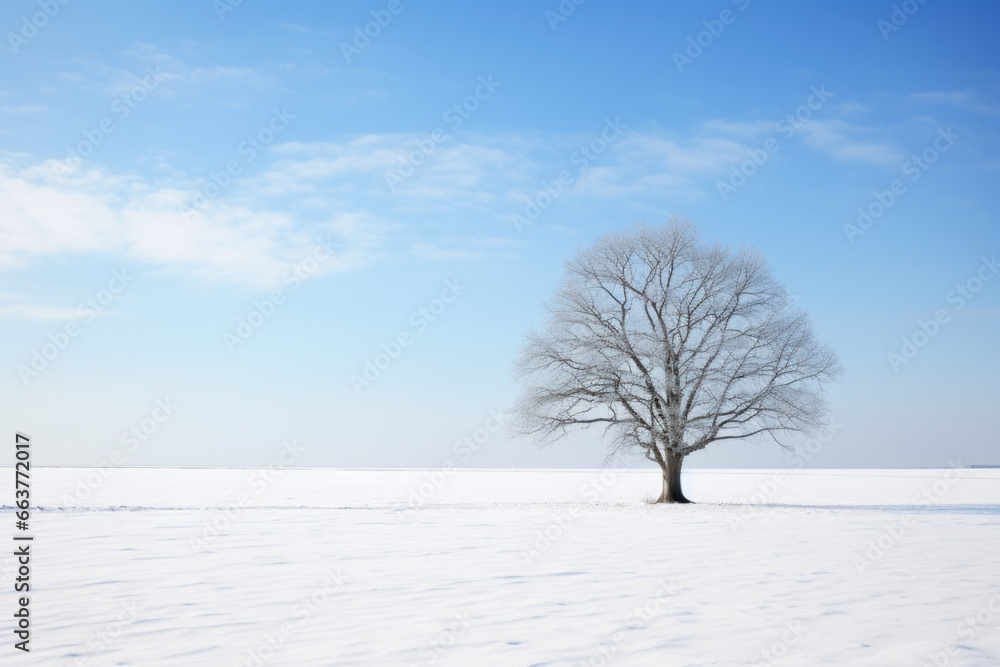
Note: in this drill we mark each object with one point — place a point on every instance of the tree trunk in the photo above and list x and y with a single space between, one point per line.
672 480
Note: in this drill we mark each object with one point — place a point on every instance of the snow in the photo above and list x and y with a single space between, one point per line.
136 566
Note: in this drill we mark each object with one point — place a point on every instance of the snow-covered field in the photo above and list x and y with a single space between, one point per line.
382 567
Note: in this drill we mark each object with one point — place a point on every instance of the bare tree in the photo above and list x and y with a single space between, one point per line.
671 345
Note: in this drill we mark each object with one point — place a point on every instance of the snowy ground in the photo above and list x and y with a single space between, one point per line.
331 567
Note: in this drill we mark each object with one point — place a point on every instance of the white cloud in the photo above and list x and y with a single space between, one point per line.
26 311
849 108
432 252
87 210
837 138
659 164
263 222
969 99
743 129
242 76
847 142
24 109
457 196
90 72
295 27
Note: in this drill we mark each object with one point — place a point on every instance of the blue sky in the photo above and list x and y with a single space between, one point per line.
185 165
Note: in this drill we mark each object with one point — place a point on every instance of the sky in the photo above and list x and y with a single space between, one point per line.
230 226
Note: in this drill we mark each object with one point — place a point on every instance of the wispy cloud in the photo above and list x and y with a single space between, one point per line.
295 27
742 129
243 76
432 252
264 221
90 72
849 108
656 163
968 99
23 109
51 212
847 142
455 199
25 311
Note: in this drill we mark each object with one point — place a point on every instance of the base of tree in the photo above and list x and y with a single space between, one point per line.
672 500
670 466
